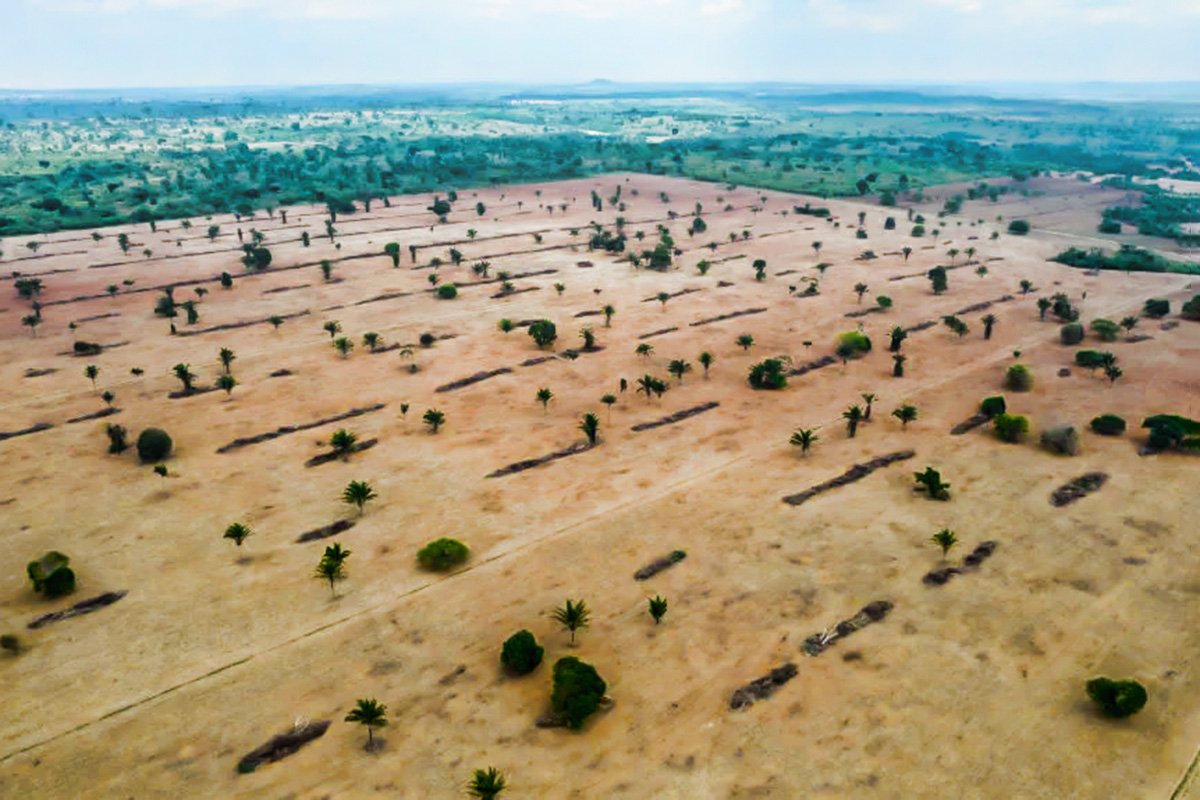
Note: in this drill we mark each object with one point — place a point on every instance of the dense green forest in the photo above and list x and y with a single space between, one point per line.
85 161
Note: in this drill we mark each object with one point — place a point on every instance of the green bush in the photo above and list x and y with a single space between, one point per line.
1108 425
1010 427
1091 359
1169 431
427 339
1071 334
768 374
918 231
154 445
1018 378
1018 227
993 406
51 576
1109 226
578 690
543 332
1106 329
1191 309
521 653
442 554
1157 307
1062 439
1117 698
853 344
447 291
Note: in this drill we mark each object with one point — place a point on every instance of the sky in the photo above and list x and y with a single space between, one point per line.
54 44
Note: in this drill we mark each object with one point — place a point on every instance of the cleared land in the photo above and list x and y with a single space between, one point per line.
971 689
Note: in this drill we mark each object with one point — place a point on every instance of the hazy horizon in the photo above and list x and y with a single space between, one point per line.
295 43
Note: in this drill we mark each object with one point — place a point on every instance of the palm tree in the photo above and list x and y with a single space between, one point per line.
486 784
853 415
678 367
907 251
342 441
343 345
644 350
706 360
226 357
1129 323
953 253
608 312
1112 372
804 438
816 246
238 533
868 398
573 615
332 566
370 713
434 419
544 396
590 425
357 493
1043 304
91 372
663 297
371 340
31 321
860 289
506 325
226 383
333 328
589 338
275 321
658 608
184 373
944 539
970 251
108 397
609 400
906 414
898 365
745 341
646 385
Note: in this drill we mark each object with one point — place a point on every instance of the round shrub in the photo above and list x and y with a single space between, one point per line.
1010 427
543 332
154 445
1018 378
1018 227
51 576
521 653
1117 698
993 406
1108 425
768 374
853 344
1191 309
1157 307
442 554
447 291
578 690
1062 439
1071 334
427 339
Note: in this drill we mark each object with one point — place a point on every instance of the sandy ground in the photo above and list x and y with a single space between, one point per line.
972 690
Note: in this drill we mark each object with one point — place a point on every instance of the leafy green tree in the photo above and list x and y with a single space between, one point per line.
1044 304
543 332
506 325
371 714
1129 323
989 321
371 340
937 279
486 784
332 566
226 383
442 554
644 349
1010 427
860 289
1112 372
590 425
226 357
392 251
91 372
804 438
544 396
108 398
185 375
663 297
906 414
358 493
853 416
1117 699
343 345
333 328
679 367
342 441
745 341
931 482
608 312
521 653
238 533
1026 286
573 615
609 400
706 360
31 321
658 608
434 419
578 691
945 539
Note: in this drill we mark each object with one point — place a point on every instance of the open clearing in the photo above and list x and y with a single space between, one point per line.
971 689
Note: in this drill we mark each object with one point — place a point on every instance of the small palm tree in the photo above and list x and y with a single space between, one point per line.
868 398
91 372
357 493
589 338
434 419
853 415
226 383
184 373
906 251
609 400
332 566
342 441
238 533
906 414
678 367
506 325
343 345
275 321
333 328
745 341
706 360
646 385
944 539
590 425
371 340
804 438
544 396
573 615
226 357
608 312
486 784
989 321
644 350
658 608
370 713
860 289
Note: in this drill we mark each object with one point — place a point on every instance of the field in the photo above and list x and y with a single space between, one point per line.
969 689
